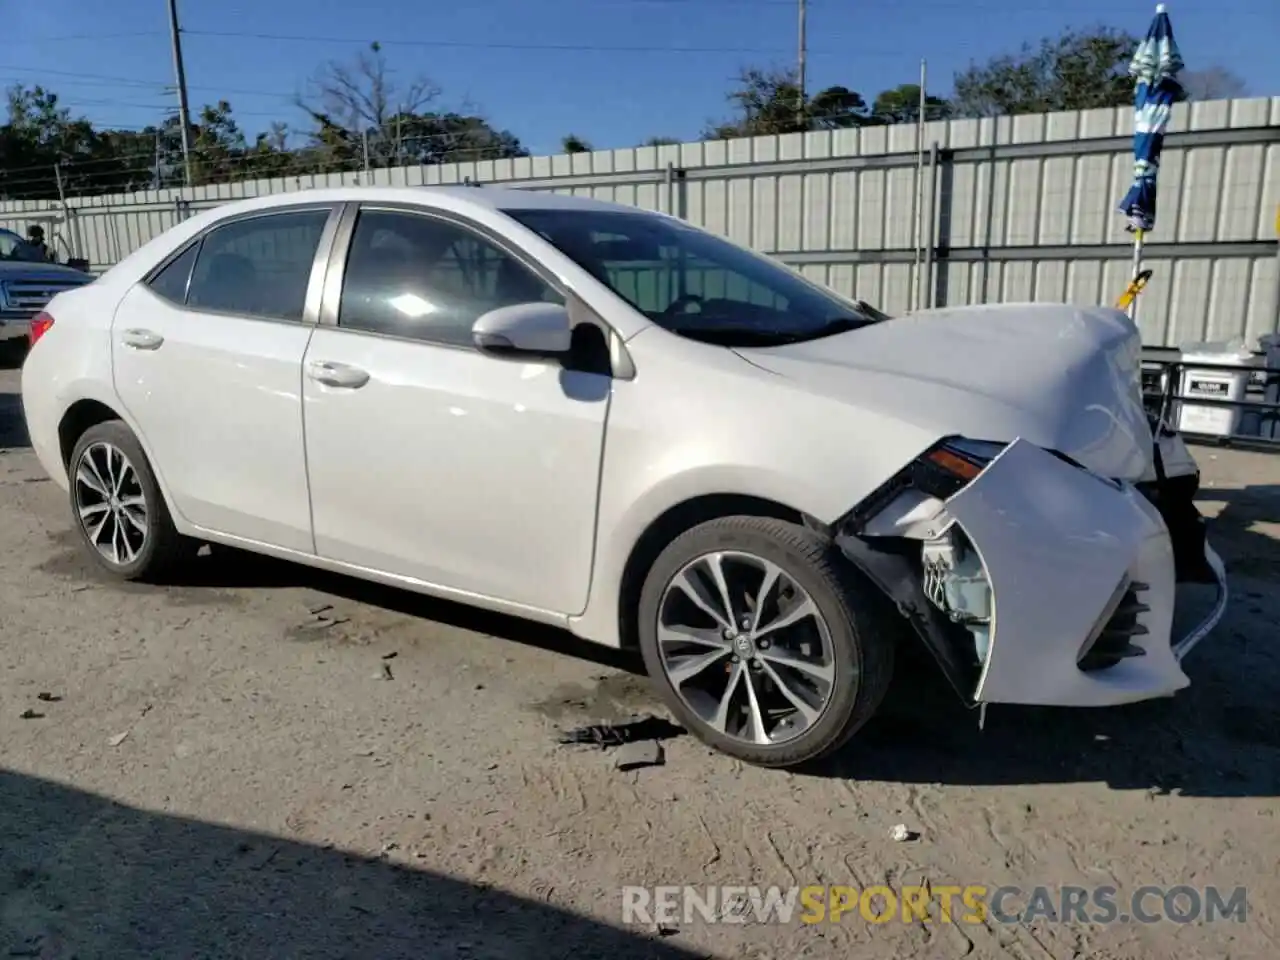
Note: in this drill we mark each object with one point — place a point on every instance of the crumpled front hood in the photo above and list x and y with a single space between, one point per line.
1063 377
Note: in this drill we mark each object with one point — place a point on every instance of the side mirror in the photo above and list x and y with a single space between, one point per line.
537 328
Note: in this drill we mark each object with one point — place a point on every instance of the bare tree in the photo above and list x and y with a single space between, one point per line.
350 101
1213 83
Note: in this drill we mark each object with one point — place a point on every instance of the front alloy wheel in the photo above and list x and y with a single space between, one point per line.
764 641
746 648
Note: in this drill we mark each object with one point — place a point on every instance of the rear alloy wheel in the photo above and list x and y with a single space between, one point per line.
117 506
763 641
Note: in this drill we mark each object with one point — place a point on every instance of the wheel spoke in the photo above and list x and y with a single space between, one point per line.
114 473
819 671
767 583
126 474
136 520
127 550
672 635
87 475
115 540
804 608
715 565
695 591
753 711
684 669
721 719
806 709
95 534
90 511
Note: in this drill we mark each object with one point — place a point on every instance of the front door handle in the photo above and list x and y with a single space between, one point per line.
142 339
333 374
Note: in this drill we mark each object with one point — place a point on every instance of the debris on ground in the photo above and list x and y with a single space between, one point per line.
901 834
390 655
386 671
606 735
118 739
30 714
47 697
639 753
318 608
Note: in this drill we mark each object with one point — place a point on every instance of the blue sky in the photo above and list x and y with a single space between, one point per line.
607 70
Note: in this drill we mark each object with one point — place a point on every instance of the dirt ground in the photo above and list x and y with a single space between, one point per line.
224 769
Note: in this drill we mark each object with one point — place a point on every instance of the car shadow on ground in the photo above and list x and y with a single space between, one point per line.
13 427
84 876
226 568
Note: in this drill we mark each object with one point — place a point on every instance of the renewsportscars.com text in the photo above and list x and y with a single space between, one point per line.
971 904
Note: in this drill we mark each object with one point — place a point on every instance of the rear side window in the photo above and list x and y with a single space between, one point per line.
258 267
171 282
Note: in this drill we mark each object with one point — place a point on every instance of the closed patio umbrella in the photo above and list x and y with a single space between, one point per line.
1155 68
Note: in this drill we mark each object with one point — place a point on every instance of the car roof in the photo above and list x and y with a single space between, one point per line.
459 199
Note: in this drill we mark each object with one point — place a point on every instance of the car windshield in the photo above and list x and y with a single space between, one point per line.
692 282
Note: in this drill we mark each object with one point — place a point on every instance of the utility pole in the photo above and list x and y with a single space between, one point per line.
801 58
180 75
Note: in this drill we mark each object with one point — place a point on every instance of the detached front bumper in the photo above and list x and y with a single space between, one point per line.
1070 599
1063 549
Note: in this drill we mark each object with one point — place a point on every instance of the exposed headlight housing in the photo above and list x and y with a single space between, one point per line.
948 466
940 472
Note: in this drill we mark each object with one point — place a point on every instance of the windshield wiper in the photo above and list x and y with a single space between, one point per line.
734 335
828 329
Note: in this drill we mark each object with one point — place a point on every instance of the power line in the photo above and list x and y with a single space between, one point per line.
485 45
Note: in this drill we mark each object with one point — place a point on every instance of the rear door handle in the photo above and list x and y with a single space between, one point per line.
333 374
142 339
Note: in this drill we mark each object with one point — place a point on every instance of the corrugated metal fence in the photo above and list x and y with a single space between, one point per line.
1011 209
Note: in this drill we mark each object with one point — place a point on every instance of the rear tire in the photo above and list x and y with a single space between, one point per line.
117 507
832 648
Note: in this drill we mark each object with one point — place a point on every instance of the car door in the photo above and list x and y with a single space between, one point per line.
207 354
428 458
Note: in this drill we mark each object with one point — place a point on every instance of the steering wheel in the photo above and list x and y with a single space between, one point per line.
676 306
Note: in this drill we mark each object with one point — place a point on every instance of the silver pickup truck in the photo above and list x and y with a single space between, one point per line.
27 283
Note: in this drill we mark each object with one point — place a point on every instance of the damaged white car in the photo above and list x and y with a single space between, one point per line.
606 419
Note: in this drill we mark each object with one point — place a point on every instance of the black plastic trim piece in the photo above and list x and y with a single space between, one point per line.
891 567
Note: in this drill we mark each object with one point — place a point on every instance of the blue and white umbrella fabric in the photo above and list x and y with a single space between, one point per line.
1155 68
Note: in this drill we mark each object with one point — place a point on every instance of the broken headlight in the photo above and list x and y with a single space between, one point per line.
949 465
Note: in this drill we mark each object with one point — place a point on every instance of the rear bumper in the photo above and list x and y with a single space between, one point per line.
1066 554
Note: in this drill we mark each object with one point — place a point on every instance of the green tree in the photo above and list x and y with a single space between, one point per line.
572 143
1079 70
1213 83
902 105
769 102
837 108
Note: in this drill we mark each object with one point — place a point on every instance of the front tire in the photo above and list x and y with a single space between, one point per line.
117 507
763 641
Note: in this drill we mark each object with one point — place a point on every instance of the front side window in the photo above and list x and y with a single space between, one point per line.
693 282
259 267
424 278
171 282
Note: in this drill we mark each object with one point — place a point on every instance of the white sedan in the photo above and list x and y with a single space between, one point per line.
607 419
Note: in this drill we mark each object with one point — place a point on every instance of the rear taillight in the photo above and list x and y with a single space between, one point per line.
40 325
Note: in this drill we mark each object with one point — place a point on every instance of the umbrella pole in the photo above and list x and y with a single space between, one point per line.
1137 269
